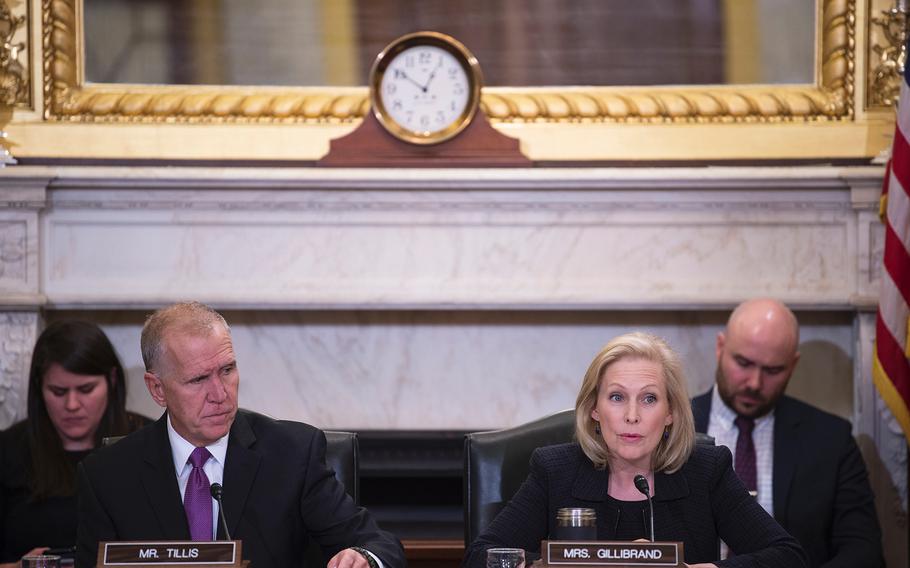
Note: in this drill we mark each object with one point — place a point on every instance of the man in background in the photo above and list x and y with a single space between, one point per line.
802 463
278 492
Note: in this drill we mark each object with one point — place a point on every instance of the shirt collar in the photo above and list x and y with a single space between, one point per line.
181 449
723 415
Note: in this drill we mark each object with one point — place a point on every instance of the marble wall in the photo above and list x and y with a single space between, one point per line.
461 370
454 299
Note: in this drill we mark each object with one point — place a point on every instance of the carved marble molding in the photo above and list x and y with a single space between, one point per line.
13 257
529 239
18 332
831 100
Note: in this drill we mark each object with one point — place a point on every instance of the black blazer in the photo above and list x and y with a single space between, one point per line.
702 501
821 489
277 490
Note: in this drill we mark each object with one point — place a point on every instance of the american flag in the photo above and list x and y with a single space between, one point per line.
891 365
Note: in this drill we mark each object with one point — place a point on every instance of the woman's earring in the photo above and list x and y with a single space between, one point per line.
666 432
596 427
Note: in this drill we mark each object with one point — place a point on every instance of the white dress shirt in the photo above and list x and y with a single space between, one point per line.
725 433
213 468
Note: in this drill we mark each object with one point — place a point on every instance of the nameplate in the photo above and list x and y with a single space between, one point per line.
610 553
170 553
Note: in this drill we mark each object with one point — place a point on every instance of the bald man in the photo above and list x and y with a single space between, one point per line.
803 464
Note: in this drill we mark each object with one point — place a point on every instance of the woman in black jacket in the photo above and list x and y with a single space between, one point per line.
633 417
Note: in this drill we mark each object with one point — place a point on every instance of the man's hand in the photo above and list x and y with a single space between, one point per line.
347 558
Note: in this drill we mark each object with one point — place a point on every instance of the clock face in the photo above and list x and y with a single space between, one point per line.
425 87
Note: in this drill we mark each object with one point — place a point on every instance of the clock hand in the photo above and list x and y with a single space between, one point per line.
416 84
430 78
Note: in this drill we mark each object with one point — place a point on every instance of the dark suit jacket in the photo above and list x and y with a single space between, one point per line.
702 501
277 491
821 489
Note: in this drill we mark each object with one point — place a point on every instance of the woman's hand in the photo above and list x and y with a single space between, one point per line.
702 565
33 552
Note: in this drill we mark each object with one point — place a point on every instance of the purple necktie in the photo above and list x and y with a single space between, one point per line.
197 501
745 452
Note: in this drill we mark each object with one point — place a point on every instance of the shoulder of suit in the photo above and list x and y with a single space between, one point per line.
808 412
708 457
263 425
558 454
124 450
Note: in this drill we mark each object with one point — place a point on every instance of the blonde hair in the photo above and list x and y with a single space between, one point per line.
674 450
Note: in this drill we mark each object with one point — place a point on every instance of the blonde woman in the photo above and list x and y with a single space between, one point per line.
633 417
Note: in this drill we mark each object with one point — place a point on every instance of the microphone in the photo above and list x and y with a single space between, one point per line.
641 483
217 492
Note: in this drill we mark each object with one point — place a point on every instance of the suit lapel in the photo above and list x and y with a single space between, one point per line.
241 465
786 456
701 411
160 482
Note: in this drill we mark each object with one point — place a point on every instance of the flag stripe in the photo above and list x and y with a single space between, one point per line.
892 310
891 397
899 204
892 359
897 262
900 166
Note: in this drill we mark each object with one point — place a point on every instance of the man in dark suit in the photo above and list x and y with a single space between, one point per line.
803 463
278 491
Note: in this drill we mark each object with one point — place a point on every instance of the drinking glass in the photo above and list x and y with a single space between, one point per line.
41 561
505 558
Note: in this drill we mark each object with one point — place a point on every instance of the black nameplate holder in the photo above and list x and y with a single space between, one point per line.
618 554
213 554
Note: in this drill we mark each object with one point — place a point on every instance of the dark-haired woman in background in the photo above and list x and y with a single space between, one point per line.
76 397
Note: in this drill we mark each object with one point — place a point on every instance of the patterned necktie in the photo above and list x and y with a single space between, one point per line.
745 452
197 501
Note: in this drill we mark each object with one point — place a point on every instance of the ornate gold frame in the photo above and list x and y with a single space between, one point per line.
69 99
712 113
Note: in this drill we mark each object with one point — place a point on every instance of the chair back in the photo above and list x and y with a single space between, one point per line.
342 456
496 464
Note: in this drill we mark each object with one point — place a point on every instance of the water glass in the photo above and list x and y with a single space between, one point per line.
41 561
505 558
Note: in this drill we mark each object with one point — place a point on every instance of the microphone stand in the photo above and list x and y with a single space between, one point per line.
641 483
217 491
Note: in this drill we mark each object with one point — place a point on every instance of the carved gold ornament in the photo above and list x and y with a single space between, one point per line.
13 75
890 56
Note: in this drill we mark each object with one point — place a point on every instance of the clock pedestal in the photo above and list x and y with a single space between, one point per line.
479 145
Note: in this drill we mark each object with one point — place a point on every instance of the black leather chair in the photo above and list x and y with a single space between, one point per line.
342 455
496 464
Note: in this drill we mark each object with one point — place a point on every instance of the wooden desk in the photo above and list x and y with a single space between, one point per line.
433 553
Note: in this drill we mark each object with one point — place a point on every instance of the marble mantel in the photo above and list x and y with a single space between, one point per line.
451 299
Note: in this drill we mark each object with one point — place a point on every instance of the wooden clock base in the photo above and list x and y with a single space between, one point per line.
477 146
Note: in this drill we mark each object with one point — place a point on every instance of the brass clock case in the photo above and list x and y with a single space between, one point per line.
462 55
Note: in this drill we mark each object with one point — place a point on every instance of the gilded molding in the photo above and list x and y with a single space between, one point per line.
887 55
14 76
832 99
